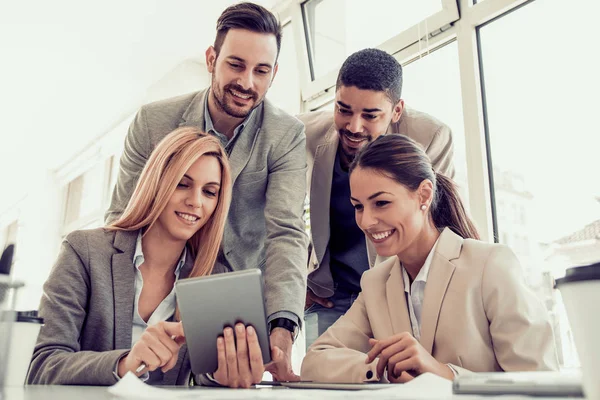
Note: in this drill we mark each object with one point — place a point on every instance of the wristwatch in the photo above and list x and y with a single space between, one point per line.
285 324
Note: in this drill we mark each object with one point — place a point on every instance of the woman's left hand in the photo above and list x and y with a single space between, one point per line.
240 362
404 358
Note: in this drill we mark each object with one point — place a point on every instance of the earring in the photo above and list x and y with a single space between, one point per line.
423 207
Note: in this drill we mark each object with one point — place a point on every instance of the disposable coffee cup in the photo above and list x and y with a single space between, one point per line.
580 289
25 331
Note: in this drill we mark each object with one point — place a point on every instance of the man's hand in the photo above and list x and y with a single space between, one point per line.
312 298
404 358
281 356
240 362
158 347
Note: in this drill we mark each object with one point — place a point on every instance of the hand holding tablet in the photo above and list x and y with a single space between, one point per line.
211 307
240 362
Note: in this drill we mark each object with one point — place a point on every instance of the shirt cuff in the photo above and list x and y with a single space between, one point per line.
143 377
454 371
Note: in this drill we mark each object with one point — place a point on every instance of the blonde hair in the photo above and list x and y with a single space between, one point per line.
165 168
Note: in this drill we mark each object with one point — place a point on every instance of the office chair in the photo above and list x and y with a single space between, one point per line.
6 259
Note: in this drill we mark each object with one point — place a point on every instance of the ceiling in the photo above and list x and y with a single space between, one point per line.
71 69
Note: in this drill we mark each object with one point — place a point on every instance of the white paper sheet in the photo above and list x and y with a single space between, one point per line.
130 387
426 386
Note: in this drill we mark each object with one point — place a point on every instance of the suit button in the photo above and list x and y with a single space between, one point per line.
369 374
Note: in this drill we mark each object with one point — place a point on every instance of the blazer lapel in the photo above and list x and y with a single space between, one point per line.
396 301
123 275
440 275
320 191
194 115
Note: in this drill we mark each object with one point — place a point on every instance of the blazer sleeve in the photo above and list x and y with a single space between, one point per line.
286 240
339 354
134 157
522 337
57 359
441 151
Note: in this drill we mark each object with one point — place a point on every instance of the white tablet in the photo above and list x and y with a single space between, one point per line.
209 304
540 383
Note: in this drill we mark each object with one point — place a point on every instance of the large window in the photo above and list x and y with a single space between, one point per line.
337 28
540 77
285 91
431 84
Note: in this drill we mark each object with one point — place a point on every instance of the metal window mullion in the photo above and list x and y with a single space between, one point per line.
473 117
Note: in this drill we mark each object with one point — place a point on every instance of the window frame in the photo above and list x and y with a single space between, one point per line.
435 23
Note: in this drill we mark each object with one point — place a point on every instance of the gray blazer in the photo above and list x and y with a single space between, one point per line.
87 307
265 228
321 147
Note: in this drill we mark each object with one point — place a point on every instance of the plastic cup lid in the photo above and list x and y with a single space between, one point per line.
579 274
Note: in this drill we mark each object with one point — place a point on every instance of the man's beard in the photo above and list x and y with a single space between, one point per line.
219 97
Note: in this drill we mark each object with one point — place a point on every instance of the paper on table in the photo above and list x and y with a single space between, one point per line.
130 387
426 386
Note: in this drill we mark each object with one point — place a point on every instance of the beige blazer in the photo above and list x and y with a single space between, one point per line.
478 315
321 147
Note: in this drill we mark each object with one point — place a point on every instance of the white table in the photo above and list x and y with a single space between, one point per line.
40 392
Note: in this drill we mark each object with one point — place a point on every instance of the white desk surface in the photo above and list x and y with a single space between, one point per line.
101 393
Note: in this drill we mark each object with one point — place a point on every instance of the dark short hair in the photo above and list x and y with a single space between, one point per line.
247 16
402 159
372 69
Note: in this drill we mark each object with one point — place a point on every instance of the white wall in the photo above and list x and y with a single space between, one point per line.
37 201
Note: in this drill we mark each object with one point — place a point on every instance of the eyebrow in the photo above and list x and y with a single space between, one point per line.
244 61
368 110
209 183
371 197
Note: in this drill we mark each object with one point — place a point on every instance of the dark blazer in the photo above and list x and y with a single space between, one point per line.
87 305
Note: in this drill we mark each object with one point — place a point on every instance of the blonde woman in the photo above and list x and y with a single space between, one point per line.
443 302
109 303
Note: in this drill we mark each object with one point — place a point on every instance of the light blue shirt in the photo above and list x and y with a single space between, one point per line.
210 128
165 309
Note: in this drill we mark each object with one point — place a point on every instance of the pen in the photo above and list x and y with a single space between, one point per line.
143 365
140 368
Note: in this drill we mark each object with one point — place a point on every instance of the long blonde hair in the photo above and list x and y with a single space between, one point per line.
165 168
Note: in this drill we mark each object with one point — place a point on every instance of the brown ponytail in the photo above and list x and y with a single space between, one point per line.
403 160
447 209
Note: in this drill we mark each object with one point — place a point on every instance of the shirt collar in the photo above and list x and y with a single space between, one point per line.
138 256
210 128
423 272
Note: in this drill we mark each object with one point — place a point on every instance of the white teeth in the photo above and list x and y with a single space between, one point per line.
355 140
382 235
242 96
188 217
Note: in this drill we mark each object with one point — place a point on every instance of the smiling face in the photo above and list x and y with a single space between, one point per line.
361 116
242 72
193 202
388 212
